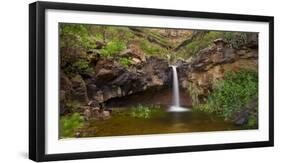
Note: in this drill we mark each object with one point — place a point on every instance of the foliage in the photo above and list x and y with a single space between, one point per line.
111 33
151 49
202 42
235 39
75 35
194 92
78 67
232 93
125 61
252 121
158 37
72 105
70 123
144 112
112 48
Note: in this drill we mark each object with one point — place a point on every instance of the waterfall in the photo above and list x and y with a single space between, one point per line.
176 93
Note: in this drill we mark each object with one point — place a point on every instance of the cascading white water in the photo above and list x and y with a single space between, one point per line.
176 93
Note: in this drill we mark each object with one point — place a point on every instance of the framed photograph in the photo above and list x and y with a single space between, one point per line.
110 81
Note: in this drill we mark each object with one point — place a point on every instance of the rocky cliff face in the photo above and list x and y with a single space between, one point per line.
212 63
200 74
111 80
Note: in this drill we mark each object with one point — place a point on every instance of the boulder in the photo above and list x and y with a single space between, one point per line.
252 40
220 43
79 89
133 53
99 44
105 74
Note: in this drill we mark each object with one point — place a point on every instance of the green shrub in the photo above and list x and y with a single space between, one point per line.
75 35
125 61
78 67
252 121
112 48
69 124
232 93
194 92
144 112
235 39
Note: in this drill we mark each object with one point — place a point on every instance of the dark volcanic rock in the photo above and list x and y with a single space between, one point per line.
211 63
220 54
79 89
112 80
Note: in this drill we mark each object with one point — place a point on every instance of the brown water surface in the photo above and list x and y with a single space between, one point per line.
123 123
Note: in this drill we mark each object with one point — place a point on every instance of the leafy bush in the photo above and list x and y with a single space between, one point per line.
252 121
70 123
232 93
194 92
235 39
144 112
75 35
125 61
78 67
112 48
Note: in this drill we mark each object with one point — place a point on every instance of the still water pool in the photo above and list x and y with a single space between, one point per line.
163 121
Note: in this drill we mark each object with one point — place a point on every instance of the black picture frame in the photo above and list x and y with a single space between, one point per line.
37 80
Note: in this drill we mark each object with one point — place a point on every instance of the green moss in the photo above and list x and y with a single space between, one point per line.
69 124
112 48
75 35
